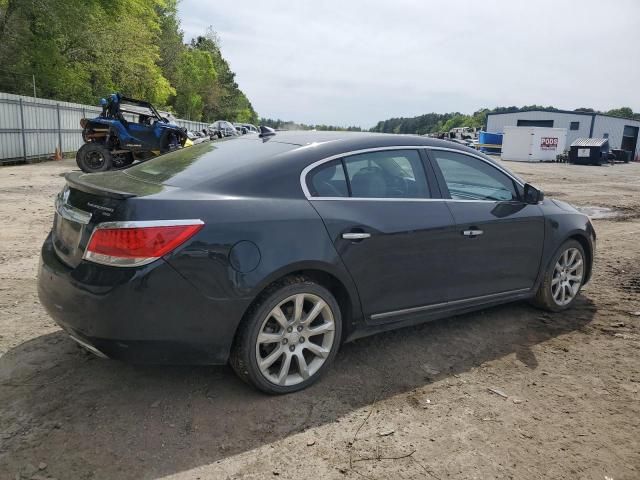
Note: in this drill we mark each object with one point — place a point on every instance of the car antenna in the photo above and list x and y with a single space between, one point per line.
266 131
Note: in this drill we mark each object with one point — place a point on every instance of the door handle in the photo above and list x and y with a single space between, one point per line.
355 235
472 233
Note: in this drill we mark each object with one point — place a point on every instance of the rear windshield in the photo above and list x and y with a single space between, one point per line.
189 166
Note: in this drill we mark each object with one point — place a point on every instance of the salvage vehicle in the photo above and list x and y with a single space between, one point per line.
224 129
241 128
113 142
268 252
197 137
250 128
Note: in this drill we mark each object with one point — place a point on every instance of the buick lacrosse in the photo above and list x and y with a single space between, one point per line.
269 252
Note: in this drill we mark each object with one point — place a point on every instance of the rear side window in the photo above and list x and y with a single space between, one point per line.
469 178
383 174
328 180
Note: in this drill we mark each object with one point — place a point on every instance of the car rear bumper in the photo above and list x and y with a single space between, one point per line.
149 314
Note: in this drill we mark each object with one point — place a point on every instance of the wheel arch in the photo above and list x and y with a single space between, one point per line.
338 283
586 245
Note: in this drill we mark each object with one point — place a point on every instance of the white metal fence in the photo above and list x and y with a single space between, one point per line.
33 128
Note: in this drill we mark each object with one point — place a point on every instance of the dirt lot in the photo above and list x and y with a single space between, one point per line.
414 403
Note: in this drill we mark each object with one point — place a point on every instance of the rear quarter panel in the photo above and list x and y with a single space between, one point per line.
288 234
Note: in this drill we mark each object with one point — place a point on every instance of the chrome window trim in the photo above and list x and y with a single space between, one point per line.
453 303
308 168
401 199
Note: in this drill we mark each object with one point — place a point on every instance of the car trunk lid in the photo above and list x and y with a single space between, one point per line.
86 201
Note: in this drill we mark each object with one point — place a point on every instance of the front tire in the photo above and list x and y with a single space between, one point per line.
563 279
289 338
93 157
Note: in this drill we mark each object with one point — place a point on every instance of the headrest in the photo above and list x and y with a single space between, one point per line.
369 182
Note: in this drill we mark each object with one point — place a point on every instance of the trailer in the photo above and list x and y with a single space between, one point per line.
533 144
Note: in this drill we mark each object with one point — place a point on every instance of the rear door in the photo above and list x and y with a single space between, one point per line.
499 240
381 209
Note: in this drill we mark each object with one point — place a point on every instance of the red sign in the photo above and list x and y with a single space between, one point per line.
549 143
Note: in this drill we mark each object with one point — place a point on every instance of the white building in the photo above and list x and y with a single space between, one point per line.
621 132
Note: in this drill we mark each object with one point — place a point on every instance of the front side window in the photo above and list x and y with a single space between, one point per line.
387 174
469 178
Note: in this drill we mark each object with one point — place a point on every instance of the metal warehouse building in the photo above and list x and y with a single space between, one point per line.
621 132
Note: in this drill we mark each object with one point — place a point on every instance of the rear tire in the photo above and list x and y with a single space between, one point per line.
289 338
93 157
563 279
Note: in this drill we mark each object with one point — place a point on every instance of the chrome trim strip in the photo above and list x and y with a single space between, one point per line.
433 306
71 213
382 199
87 346
117 261
308 168
148 223
356 236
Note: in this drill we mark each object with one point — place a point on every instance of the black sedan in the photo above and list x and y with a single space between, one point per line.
269 252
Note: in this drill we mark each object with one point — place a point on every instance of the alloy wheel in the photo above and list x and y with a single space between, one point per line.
567 276
295 339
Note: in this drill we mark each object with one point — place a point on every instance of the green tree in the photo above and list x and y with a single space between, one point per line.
226 100
624 112
195 79
81 50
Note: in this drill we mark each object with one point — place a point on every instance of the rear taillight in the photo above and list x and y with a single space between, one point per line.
130 244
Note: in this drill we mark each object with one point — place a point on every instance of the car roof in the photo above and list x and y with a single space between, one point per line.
327 143
267 165
308 137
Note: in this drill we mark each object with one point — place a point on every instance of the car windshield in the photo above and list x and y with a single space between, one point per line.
136 109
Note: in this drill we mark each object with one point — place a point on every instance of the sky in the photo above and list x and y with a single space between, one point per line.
355 62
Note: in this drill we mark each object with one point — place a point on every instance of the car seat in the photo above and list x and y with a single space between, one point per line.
369 182
322 183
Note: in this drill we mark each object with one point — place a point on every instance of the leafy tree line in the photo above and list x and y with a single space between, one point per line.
290 125
443 122
82 50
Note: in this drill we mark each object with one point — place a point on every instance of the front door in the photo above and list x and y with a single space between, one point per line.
393 237
499 238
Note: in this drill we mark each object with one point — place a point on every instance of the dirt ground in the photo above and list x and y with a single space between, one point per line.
414 403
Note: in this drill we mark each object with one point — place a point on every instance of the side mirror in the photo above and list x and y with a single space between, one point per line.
532 195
